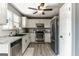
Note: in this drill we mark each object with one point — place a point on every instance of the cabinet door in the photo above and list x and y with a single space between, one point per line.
32 37
28 40
47 37
24 22
23 44
3 13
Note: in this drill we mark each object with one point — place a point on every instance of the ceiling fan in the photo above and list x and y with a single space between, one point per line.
41 8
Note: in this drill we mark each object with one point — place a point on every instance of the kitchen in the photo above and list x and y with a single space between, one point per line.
35 29
19 29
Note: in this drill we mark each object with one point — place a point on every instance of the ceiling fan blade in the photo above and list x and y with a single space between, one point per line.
32 8
47 9
42 4
35 12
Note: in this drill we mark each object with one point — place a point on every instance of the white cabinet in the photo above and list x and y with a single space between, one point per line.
25 42
47 37
24 22
32 37
28 40
3 13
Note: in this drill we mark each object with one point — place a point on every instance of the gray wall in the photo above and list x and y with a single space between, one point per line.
73 28
76 28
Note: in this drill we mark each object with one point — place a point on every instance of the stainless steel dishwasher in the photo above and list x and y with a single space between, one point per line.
16 48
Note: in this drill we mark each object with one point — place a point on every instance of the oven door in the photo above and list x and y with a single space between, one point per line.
40 34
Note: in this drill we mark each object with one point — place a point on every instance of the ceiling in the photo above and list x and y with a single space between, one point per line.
23 8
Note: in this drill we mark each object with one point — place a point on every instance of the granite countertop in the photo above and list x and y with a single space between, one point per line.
8 40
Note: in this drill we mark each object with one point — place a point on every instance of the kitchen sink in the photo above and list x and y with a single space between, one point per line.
18 35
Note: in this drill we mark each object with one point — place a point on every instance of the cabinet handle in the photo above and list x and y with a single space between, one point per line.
25 40
61 36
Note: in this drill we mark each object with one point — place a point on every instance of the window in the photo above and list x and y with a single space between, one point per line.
12 20
16 20
9 19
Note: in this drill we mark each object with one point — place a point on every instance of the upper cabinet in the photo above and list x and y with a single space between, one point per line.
3 13
32 22
24 22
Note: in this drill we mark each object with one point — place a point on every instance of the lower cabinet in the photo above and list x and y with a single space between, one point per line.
32 37
25 42
47 37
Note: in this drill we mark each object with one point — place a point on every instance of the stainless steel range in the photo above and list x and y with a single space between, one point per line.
40 32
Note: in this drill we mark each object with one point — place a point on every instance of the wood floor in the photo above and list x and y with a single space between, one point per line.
41 49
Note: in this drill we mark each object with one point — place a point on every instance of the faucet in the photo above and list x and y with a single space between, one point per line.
10 34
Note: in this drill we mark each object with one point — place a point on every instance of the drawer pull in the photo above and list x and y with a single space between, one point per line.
25 40
61 36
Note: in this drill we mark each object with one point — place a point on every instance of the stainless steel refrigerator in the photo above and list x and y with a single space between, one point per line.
54 35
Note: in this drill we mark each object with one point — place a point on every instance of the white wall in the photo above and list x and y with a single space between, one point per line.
11 8
32 22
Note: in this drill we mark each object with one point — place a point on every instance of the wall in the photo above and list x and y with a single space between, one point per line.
73 28
32 22
13 9
77 30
